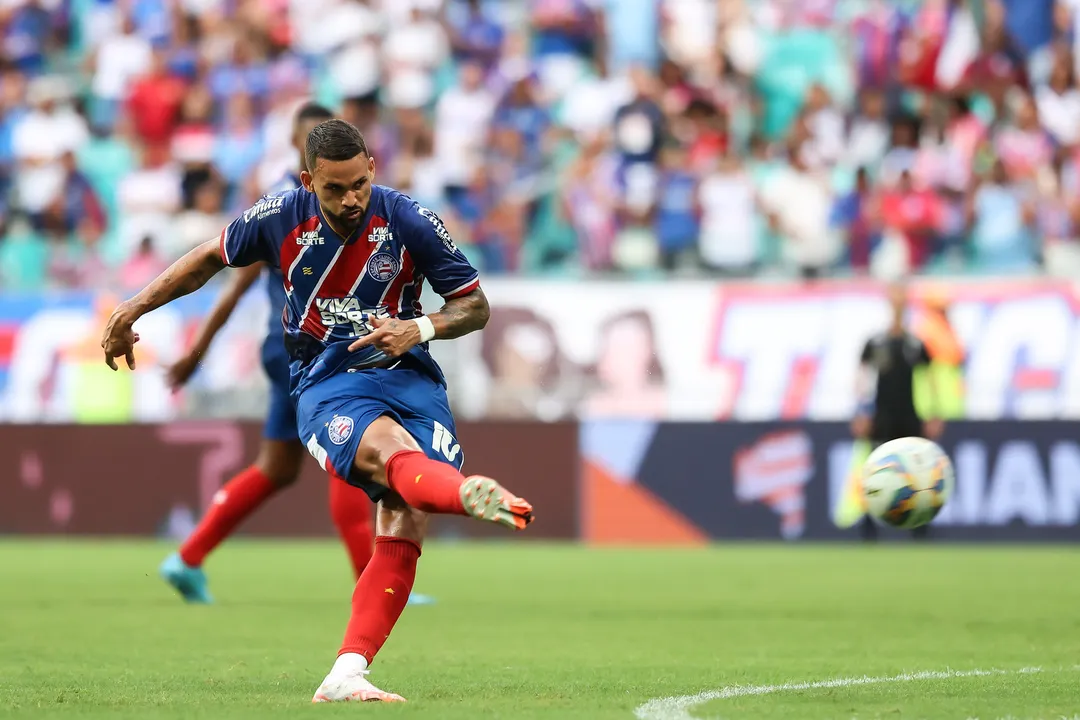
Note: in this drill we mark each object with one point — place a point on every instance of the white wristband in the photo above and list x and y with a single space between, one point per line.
427 329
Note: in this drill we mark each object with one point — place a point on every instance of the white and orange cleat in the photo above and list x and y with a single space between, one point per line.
347 682
485 499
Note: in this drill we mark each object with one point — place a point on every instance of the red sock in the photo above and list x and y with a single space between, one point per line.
351 511
232 503
380 595
425 484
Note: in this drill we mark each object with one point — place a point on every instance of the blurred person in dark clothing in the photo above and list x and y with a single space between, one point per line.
639 125
886 390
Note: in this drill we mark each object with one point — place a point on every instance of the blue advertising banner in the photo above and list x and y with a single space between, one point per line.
1016 481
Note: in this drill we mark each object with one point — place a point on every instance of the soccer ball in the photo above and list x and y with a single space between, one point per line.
906 482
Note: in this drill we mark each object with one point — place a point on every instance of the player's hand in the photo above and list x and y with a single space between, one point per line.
860 427
177 374
118 338
934 428
394 337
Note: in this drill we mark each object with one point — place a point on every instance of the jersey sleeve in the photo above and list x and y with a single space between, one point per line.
250 237
434 252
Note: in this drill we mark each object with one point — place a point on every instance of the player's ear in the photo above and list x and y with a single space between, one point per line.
306 179
371 169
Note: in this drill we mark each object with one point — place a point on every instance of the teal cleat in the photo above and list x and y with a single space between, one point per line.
189 582
420 599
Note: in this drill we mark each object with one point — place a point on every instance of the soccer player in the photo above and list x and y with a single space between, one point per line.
887 407
371 402
281 453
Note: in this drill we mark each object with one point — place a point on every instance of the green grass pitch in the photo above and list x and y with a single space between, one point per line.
87 630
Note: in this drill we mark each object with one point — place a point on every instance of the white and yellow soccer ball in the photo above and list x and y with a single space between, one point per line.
906 482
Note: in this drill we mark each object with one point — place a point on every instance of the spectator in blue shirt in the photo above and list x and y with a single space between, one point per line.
26 36
676 219
475 35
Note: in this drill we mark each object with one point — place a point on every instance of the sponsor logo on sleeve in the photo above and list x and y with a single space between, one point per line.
270 205
440 229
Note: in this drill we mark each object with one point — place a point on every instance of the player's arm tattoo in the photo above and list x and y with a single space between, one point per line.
183 277
461 315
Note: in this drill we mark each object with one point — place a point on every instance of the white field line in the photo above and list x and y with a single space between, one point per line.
677 708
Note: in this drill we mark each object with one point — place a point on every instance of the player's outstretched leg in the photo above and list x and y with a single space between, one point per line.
277 466
378 600
391 457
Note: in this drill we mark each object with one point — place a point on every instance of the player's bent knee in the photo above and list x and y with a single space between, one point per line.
381 440
394 518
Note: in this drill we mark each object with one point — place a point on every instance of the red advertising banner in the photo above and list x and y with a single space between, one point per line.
156 479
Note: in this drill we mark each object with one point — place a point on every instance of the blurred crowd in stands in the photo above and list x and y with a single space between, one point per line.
556 137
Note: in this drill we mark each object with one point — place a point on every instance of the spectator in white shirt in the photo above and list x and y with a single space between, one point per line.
868 137
149 198
119 59
1059 103
798 203
413 50
203 220
826 126
462 121
41 139
729 231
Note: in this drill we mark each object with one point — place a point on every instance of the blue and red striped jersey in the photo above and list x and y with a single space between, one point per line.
274 290
334 285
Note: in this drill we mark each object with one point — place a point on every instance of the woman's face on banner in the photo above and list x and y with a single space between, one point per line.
626 354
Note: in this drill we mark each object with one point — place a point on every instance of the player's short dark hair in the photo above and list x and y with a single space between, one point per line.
333 140
313 111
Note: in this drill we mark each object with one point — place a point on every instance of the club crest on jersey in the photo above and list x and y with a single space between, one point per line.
383 267
380 235
340 429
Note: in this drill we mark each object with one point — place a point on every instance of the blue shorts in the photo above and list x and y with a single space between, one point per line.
280 422
281 415
335 412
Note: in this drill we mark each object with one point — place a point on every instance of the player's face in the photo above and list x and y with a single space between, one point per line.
343 189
